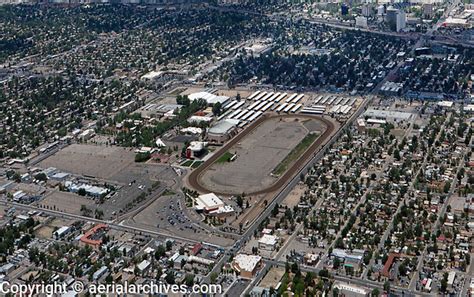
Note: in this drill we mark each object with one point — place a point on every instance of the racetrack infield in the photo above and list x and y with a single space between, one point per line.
195 177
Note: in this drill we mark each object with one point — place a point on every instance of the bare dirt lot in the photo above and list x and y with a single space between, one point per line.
46 231
97 161
258 154
66 202
272 278
293 197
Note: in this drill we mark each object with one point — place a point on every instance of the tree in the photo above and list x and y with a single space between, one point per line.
444 282
336 263
170 278
160 252
375 292
142 157
217 109
386 286
82 192
213 277
324 273
294 267
447 186
41 177
99 214
240 201
402 269
169 245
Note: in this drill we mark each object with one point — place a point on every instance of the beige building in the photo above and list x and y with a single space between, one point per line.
246 265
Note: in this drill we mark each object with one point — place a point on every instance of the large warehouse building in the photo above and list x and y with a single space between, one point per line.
222 131
210 98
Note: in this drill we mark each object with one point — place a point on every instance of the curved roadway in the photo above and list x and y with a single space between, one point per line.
194 176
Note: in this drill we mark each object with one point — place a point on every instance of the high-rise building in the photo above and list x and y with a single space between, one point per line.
428 10
401 20
396 19
367 10
344 9
380 10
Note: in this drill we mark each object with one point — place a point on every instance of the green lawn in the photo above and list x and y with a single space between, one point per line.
187 163
225 158
295 153
196 164
168 192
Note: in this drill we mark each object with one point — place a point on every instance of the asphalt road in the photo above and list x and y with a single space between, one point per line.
286 190
356 281
111 224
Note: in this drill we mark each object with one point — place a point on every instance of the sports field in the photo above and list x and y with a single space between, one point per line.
265 152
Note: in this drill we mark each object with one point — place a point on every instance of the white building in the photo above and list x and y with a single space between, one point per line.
361 22
210 98
208 202
246 265
268 242
99 273
222 130
211 204
351 290
366 10
143 266
61 232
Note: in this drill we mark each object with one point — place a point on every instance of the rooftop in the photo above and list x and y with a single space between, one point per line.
268 239
246 262
223 126
210 98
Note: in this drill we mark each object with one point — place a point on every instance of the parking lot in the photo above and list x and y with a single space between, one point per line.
167 214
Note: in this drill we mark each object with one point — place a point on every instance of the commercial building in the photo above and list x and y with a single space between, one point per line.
222 131
349 290
211 204
456 22
388 115
367 10
268 242
93 191
93 237
143 266
208 202
355 256
246 265
195 149
391 88
428 10
210 98
61 232
361 22
396 19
